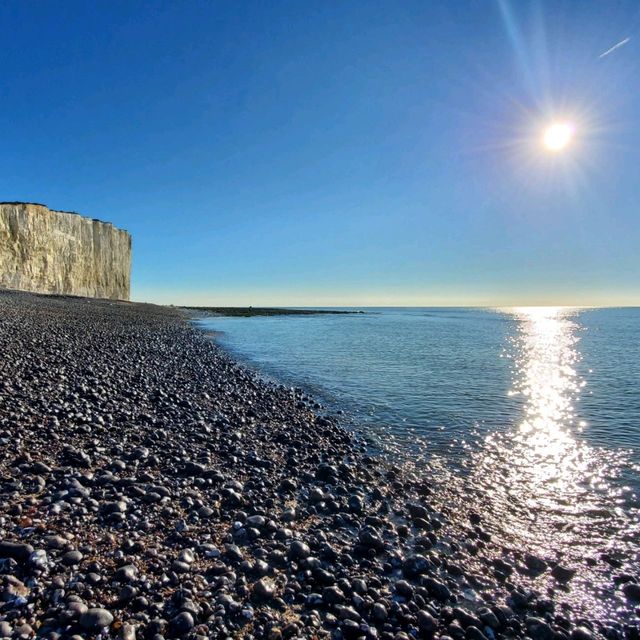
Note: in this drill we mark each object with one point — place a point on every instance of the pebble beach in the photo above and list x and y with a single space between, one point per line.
151 487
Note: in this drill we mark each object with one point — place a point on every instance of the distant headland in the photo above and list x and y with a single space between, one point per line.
246 312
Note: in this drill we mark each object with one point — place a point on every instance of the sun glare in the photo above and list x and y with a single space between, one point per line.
558 135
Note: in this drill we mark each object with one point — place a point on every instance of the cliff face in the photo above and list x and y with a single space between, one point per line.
48 251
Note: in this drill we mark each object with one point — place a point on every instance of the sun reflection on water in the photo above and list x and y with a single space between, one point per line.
544 489
546 378
531 469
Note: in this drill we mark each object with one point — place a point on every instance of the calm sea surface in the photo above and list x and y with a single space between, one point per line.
532 414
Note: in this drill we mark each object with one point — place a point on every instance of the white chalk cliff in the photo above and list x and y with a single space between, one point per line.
47 251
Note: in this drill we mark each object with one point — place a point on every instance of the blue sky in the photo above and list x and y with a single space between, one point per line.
321 153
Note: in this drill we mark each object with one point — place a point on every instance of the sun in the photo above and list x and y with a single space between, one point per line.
558 135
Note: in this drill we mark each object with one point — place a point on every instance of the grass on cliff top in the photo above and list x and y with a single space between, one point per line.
37 204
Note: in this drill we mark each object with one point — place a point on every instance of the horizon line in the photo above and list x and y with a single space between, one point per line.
394 306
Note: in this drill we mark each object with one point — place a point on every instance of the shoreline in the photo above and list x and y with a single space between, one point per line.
155 487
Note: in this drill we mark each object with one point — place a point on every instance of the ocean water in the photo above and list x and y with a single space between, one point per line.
531 415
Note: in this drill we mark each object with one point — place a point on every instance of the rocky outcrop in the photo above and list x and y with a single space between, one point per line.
47 251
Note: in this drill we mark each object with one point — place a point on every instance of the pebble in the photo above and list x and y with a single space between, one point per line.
473 633
95 619
332 595
126 573
127 632
182 622
535 564
404 589
632 591
581 633
72 558
426 623
15 550
151 474
539 630
299 550
562 574
264 589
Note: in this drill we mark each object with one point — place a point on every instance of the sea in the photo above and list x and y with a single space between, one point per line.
529 415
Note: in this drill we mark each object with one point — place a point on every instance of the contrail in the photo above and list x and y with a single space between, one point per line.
615 46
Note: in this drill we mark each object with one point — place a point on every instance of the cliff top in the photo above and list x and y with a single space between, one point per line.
73 213
39 204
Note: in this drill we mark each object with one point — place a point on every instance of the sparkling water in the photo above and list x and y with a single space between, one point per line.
531 415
